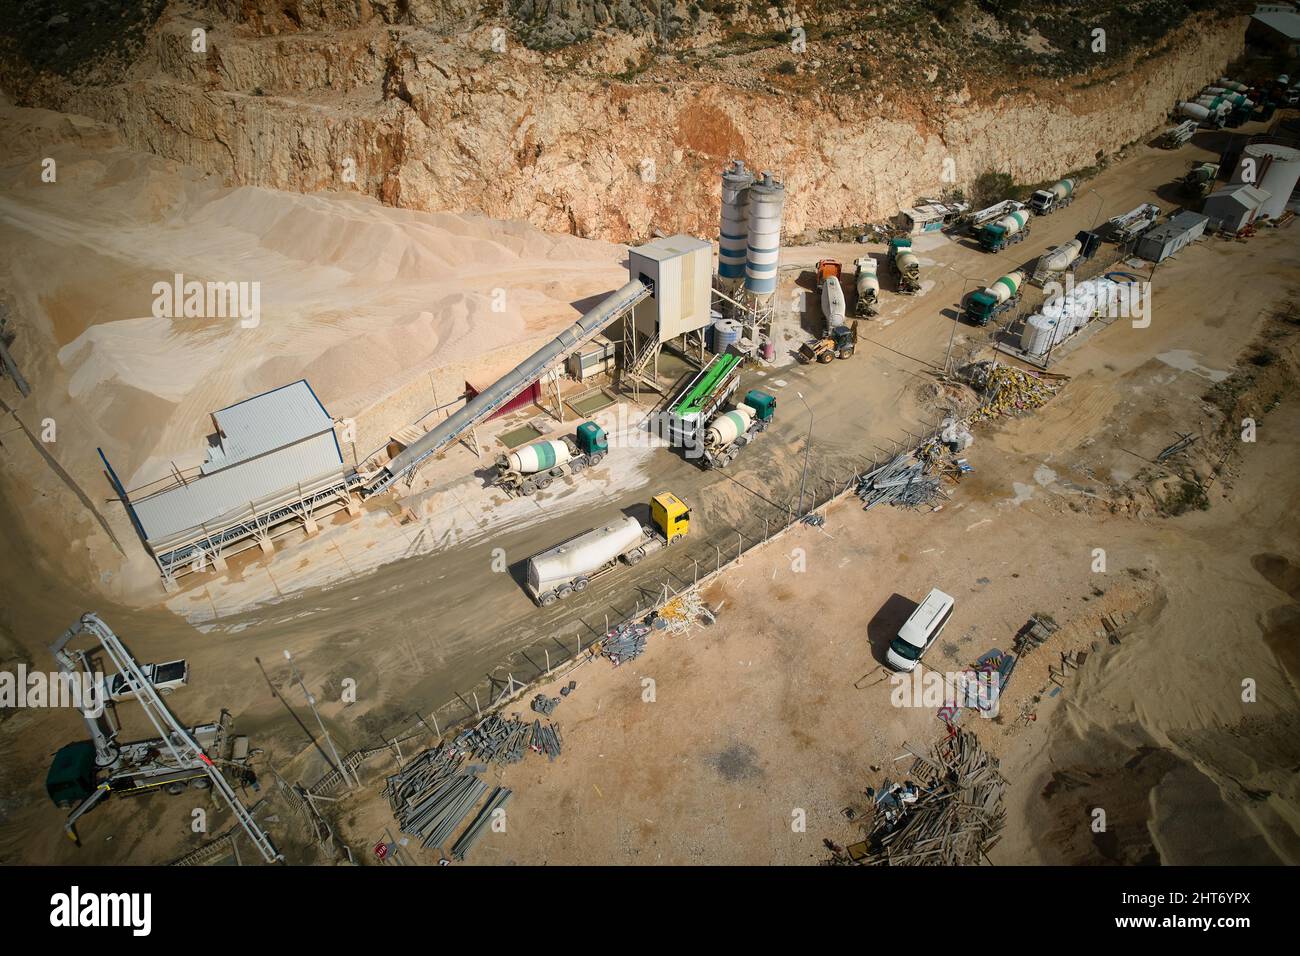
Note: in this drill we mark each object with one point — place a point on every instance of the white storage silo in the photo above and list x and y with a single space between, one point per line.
1276 171
733 233
766 204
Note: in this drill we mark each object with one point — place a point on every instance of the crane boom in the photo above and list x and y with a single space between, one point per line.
185 751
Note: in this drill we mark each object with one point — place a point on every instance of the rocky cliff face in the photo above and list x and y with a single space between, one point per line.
611 138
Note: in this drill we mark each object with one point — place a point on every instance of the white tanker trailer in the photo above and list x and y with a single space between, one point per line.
535 466
571 565
867 284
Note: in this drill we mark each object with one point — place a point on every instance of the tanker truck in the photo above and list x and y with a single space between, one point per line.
535 466
729 432
1010 229
906 266
1046 201
837 339
987 304
570 566
868 287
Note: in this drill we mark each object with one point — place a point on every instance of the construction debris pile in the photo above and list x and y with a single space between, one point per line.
1007 390
1038 629
907 480
500 796
677 616
625 642
506 740
949 814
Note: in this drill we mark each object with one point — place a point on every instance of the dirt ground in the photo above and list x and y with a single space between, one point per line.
711 745
784 725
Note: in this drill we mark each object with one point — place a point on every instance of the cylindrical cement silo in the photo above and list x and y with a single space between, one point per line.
766 204
1274 169
733 233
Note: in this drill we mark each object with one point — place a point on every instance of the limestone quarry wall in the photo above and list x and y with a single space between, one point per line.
438 121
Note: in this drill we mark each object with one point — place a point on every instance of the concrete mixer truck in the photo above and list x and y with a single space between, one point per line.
837 339
1046 201
535 466
905 265
1200 179
867 284
729 432
984 305
1010 229
571 566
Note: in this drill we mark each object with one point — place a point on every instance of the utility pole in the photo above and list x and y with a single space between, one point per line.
311 702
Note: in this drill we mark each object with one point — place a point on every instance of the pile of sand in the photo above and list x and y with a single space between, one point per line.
354 296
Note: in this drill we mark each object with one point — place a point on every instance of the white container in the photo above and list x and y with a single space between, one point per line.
584 554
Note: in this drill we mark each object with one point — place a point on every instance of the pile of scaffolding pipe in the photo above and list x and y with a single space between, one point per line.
495 738
625 642
430 799
500 796
545 739
902 481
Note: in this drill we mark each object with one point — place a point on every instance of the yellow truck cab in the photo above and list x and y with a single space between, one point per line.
671 516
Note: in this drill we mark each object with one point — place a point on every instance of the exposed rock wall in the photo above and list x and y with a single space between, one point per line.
437 120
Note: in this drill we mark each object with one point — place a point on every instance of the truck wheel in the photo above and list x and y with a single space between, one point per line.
580 585
564 591
548 599
596 458
200 783
576 468
543 483
527 488
826 358
632 557
175 787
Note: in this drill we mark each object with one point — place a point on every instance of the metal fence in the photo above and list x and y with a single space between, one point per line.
694 566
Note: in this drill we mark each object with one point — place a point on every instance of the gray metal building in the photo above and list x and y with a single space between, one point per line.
1162 241
1235 207
272 465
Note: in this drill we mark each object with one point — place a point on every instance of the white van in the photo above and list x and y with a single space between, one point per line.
919 631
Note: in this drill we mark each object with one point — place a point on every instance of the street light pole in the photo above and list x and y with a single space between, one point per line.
311 702
806 449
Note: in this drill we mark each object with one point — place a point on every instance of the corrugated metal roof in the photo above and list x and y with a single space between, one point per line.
215 499
1183 222
1243 194
1287 24
265 422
